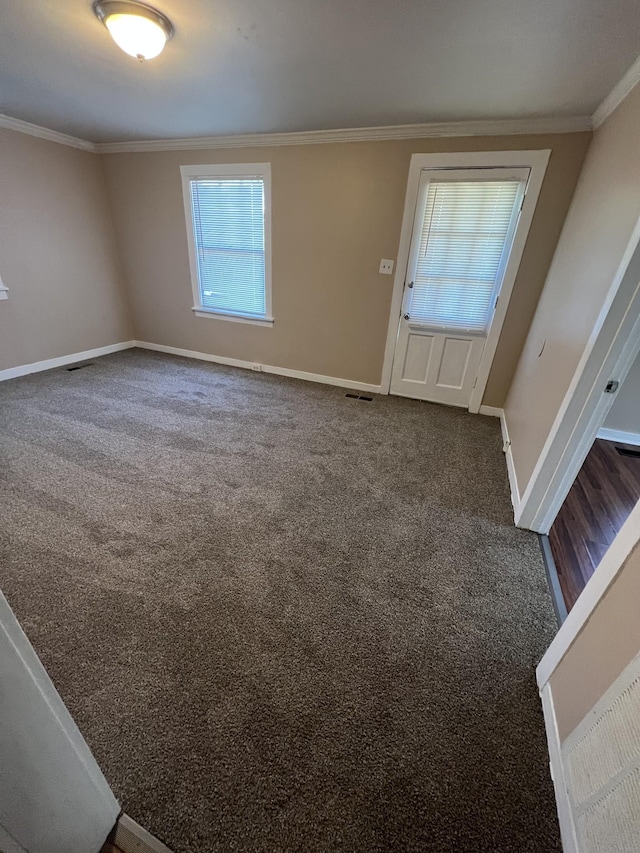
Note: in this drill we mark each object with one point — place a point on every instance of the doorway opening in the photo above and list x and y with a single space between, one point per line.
587 476
601 498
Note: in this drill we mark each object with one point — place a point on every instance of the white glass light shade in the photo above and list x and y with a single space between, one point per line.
138 29
137 36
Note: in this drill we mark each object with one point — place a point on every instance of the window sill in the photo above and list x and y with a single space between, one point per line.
233 318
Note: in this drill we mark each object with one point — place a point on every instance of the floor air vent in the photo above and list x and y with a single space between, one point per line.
602 758
628 451
80 366
359 397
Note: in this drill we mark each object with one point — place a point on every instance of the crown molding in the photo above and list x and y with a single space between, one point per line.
45 133
434 130
498 127
619 92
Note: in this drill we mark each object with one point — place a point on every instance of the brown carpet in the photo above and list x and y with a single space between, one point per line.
284 620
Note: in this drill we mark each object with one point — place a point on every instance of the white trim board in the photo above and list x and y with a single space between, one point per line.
61 361
556 766
261 368
617 95
508 457
619 436
513 482
491 411
130 837
598 584
430 130
20 126
494 412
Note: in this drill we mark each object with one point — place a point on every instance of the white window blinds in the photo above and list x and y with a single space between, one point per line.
229 238
466 233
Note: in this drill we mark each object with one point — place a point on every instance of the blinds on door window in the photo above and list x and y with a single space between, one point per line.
228 229
466 235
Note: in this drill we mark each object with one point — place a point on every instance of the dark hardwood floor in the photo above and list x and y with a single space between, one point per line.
598 504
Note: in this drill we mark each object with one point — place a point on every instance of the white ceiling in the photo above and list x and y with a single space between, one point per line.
244 66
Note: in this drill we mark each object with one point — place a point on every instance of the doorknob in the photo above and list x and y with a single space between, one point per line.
406 316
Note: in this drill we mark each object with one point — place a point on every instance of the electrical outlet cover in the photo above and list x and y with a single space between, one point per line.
386 266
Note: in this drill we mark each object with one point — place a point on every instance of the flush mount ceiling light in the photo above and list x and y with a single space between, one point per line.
138 29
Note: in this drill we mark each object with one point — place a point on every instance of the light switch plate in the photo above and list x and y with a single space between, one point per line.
386 266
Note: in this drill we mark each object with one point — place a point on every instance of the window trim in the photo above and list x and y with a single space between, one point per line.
228 170
536 160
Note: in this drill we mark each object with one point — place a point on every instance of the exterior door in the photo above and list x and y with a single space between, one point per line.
463 230
53 797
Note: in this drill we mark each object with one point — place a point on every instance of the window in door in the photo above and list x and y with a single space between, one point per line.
465 222
228 227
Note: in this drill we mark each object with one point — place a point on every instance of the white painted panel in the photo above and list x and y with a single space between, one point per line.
438 365
53 796
417 357
455 360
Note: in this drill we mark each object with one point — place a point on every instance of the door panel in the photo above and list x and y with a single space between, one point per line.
454 362
417 358
438 366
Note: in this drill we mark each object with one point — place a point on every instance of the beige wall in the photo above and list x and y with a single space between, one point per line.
607 643
337 209
624 415
57 253
603 214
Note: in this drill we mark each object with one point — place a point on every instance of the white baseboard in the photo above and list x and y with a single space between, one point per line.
263 368
511 470
513 480
620 435
556 766
491 411
61 361
130 837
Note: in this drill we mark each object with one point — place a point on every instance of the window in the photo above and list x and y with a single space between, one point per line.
228 228
466 221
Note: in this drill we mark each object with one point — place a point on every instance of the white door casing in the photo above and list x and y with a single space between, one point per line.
460 352
613 347
53 796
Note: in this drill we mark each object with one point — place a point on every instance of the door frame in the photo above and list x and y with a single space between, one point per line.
610 352
536 161
70 810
